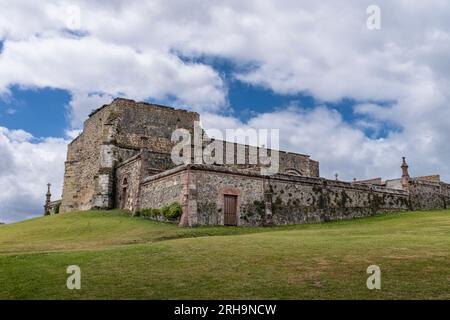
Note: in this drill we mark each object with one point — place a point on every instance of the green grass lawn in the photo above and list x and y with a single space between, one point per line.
130 258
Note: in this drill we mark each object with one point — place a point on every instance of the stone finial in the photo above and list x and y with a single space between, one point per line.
337 176
404 167
48 196
405 175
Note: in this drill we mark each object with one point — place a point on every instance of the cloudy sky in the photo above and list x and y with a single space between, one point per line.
355 99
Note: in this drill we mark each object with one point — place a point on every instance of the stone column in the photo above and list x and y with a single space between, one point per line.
267 202
103 197
143 173
48 196
405 175
189 215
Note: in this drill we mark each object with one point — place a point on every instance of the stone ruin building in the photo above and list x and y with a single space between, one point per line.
122 159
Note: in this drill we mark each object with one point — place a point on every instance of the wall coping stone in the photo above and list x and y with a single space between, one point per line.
279 177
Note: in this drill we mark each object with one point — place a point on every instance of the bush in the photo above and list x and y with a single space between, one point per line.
171 212
149 213
165 211
57 206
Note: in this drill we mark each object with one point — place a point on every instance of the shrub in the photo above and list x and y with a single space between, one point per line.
155 213
149 213
170 212
165 211
173 211
56 209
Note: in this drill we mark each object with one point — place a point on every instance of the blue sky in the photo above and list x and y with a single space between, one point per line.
44 112
41 112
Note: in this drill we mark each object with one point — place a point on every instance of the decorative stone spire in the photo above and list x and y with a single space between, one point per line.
405 175
48 196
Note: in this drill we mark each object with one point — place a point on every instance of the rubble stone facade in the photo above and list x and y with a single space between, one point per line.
122 160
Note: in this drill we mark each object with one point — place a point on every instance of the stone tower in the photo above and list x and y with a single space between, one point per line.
112 134
405 175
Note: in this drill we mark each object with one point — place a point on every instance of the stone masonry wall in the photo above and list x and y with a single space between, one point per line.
128 178
145 125
158 192
262 200
82 166
286 199
302 200
427 195
112 134
292 163
120 130
213 185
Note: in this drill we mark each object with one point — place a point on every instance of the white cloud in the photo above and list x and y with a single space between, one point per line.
88 65
81 105
27 166
344 149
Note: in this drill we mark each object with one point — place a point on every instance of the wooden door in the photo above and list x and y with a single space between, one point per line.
230 210
124 198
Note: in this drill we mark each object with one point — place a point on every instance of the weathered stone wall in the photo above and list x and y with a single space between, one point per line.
394 184
429 195
303 200
262 200
279 199
146 125
112 134
82 165
128 183
314 168
213 185
117 132
160 190
446 192
241 156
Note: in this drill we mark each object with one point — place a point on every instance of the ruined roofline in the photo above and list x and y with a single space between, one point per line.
430 178
377 180
192 146
181 110
251 146
129 101
139 103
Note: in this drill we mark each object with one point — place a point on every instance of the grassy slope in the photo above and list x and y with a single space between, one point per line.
124 257
94 230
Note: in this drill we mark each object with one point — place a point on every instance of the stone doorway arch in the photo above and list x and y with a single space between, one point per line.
124 194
